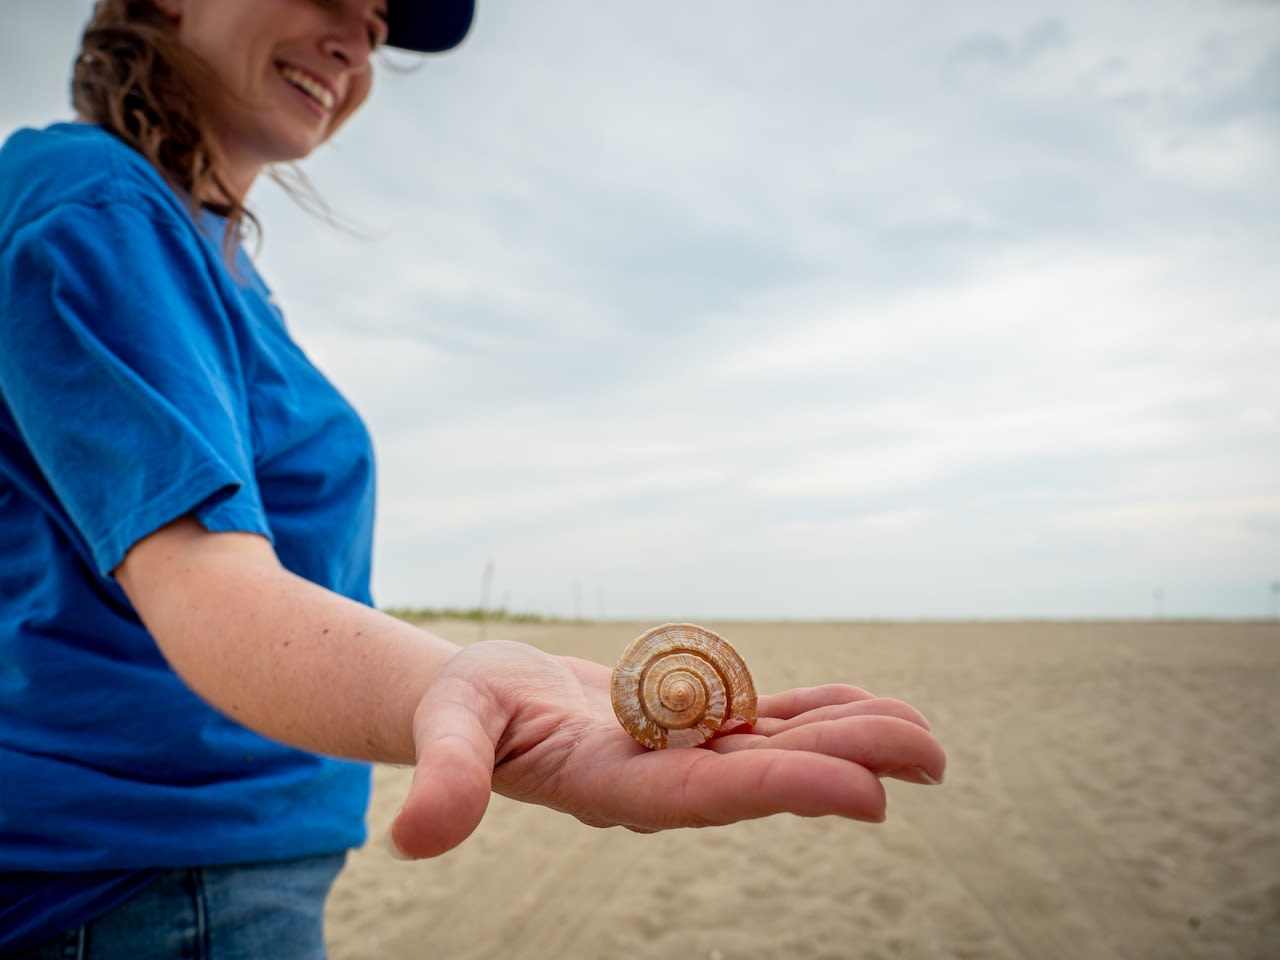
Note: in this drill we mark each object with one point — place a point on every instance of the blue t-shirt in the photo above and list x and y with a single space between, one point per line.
142 380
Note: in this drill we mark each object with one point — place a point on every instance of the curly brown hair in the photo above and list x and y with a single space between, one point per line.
134 78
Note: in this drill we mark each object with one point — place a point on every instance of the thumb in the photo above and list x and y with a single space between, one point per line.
453 774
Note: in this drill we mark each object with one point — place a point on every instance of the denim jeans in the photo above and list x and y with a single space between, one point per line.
261 911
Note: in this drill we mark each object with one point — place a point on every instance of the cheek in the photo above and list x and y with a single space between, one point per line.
356 96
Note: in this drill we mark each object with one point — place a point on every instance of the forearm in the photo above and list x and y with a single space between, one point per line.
286 658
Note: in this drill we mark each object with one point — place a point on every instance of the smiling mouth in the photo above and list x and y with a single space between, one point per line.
313 88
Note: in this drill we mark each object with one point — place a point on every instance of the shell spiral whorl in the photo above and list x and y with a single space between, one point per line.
677 684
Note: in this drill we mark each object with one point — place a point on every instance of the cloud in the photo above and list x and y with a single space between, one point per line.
993 51
735 308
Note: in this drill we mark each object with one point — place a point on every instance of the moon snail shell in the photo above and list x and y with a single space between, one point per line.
677 684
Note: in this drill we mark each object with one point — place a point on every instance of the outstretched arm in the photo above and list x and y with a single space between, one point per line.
302 665
284 657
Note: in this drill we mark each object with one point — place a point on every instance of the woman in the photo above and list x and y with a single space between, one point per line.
192 676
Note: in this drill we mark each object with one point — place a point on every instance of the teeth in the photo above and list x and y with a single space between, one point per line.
315 90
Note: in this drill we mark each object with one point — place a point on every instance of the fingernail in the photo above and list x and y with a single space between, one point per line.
915 775
394 850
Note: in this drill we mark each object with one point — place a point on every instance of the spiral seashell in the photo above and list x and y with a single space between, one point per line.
677 684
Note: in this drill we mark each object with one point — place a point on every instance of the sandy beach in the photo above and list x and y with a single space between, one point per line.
1113 792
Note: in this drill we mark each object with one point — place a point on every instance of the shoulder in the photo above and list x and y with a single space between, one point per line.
69 165
74 199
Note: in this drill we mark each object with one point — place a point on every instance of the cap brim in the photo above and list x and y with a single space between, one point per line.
428 26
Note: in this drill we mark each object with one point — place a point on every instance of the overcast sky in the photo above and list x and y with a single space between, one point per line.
817 308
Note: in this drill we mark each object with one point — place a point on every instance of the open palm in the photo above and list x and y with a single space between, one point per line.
540 728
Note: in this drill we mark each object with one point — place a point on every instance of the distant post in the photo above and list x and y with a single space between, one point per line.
486 582
1157 597
1275 598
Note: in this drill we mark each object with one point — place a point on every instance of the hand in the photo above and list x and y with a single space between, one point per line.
540 728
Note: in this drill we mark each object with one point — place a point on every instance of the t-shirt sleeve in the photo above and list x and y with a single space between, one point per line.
119 364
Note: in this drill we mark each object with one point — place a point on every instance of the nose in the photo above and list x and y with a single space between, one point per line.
347 41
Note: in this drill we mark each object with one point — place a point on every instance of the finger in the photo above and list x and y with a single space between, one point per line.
786 782
768 726
789 703
885 745
699 788
453 774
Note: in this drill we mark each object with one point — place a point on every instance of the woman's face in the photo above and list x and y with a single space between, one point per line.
288 73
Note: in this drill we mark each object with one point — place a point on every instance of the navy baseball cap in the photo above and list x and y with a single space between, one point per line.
428 26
